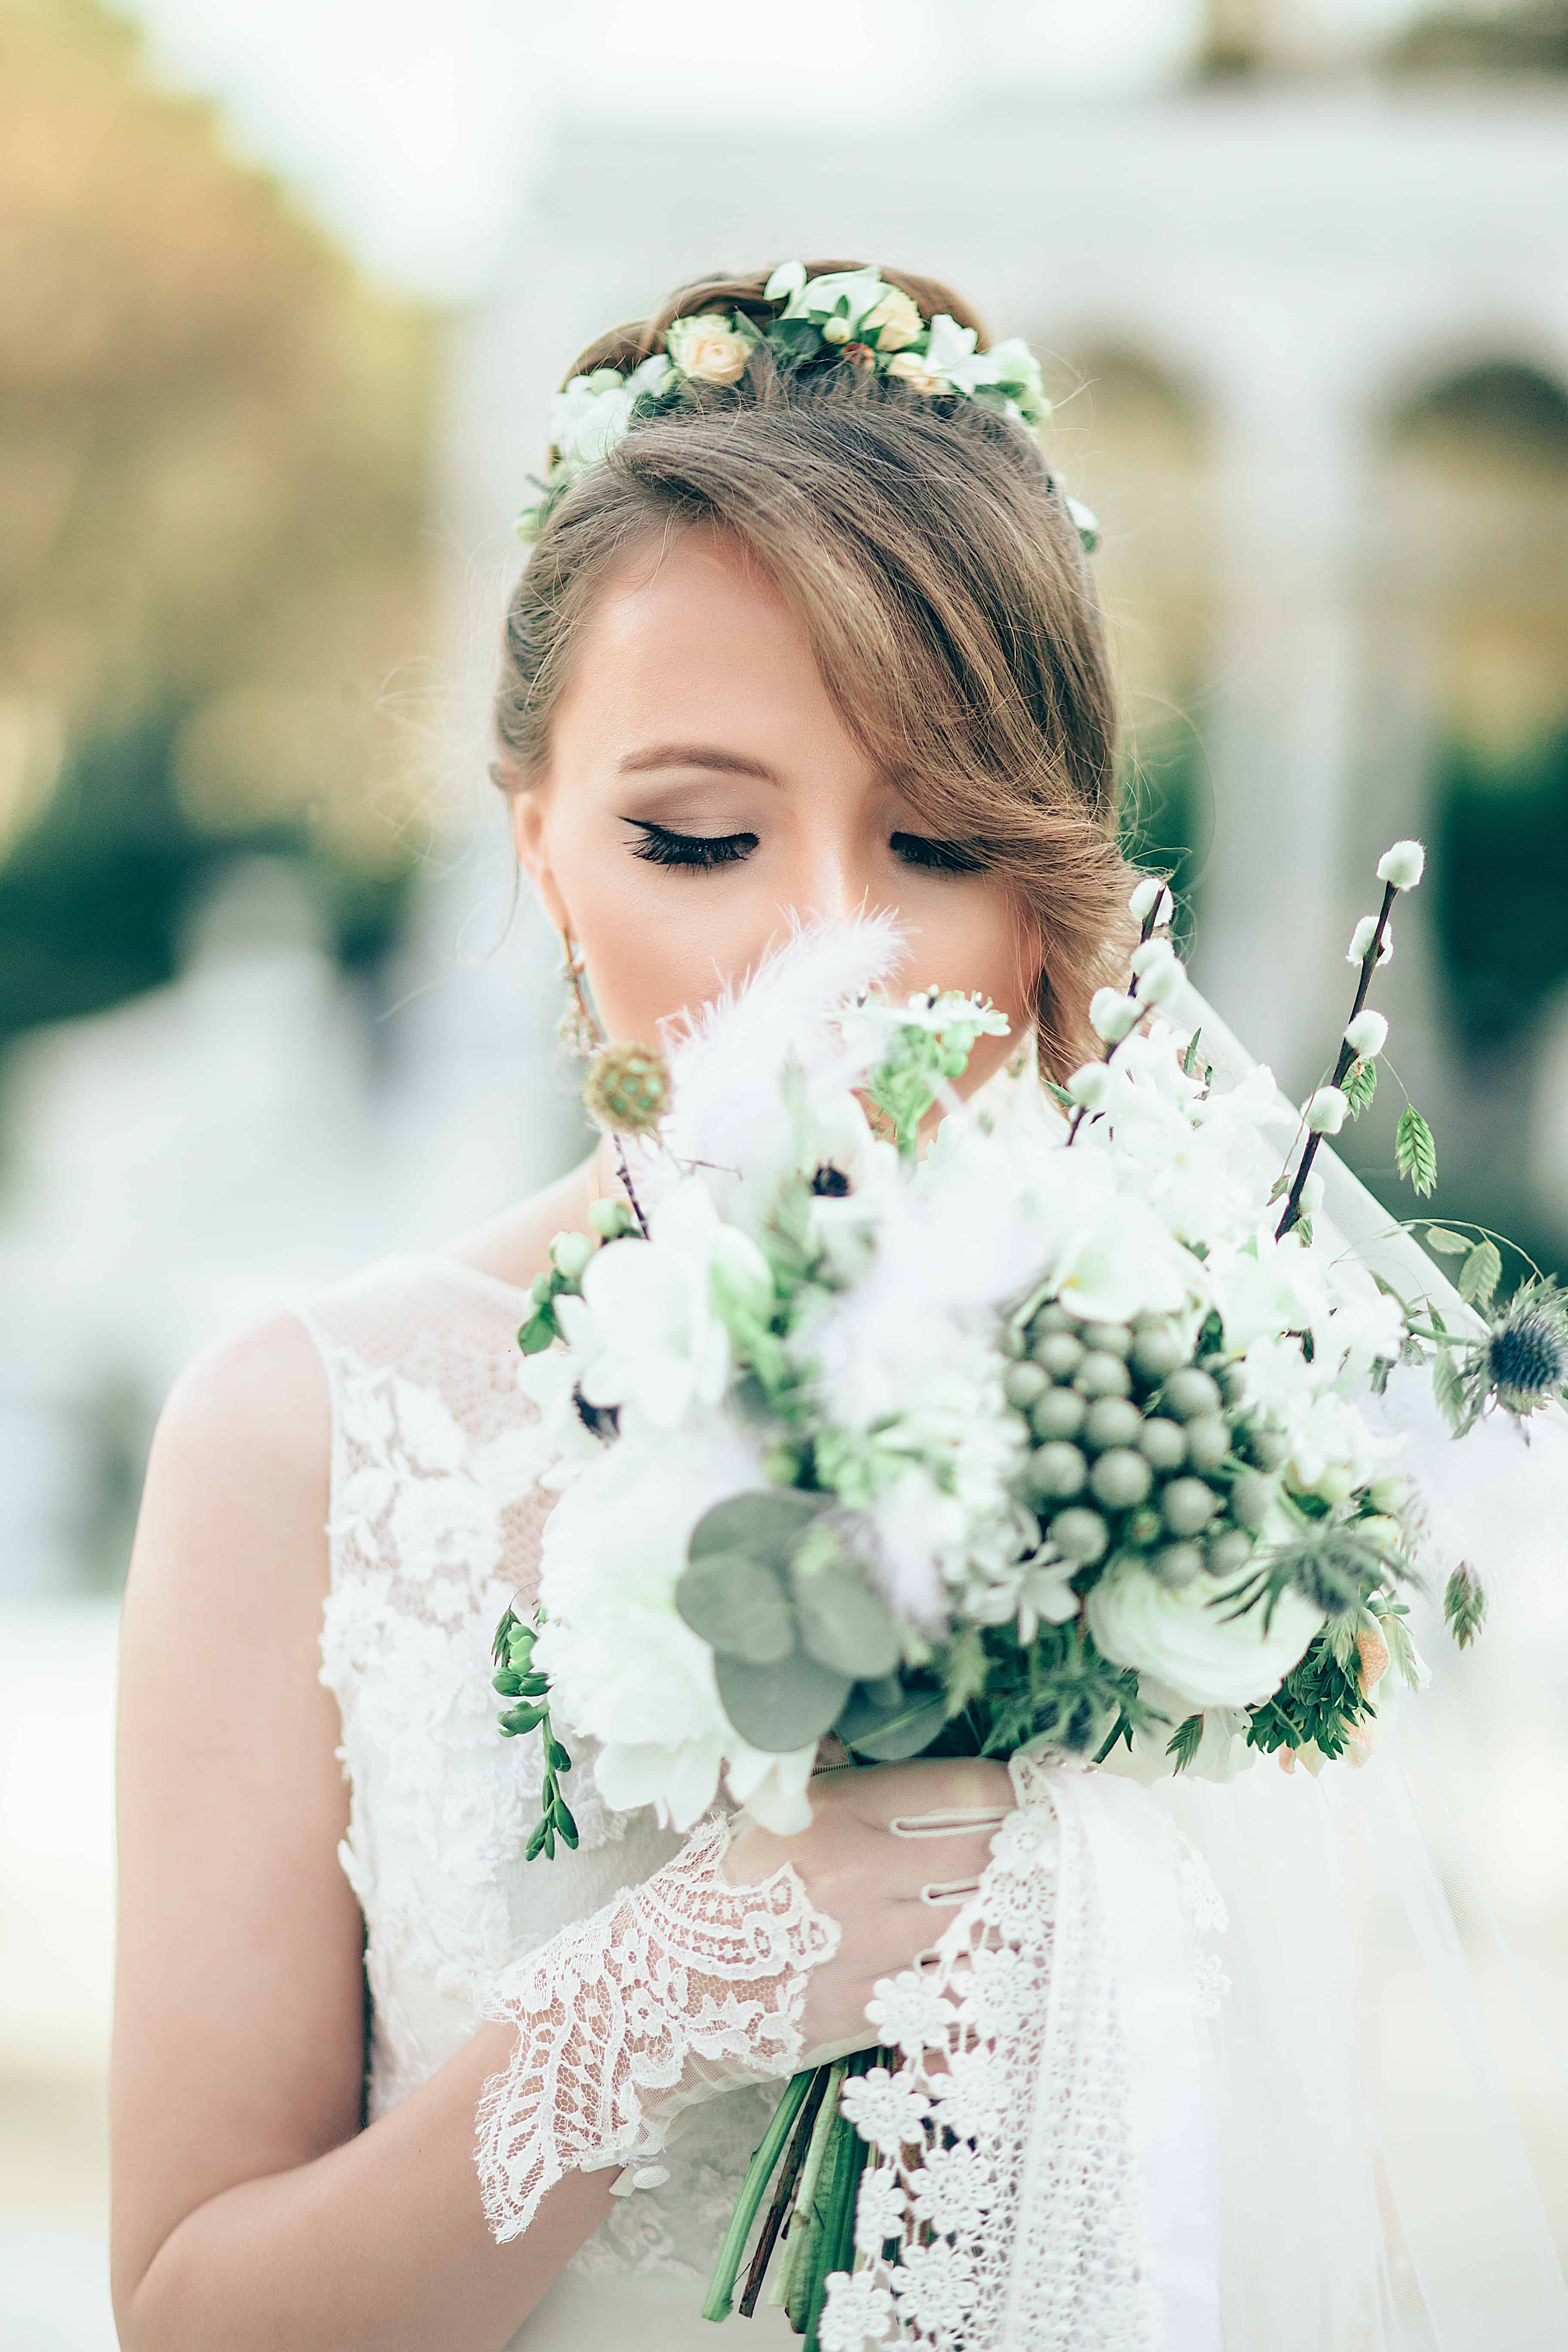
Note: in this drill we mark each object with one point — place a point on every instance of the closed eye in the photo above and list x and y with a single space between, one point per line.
660 847
934 856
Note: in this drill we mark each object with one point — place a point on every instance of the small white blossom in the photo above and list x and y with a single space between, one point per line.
1366 1035
1362 939
1089 1086
1311 1194
1112 1015
1150 953
1163 983
1151 893
885 2109
1328 1111
1404 864
569 1255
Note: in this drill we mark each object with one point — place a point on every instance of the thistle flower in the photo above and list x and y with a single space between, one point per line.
1525 1362
627 1091
1402 865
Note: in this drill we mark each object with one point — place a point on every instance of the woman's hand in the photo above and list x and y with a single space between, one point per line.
883 1839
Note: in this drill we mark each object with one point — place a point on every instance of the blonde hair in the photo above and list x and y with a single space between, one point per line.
938 577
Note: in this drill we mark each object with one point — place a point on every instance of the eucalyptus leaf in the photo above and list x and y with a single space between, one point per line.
890 1722
843 1622
766 1524
739 1606
784 1706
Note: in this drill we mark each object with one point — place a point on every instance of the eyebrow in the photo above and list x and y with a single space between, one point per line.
696 755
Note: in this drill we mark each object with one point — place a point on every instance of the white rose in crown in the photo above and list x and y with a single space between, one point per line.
708 348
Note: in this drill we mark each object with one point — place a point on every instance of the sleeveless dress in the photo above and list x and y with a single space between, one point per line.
434 1528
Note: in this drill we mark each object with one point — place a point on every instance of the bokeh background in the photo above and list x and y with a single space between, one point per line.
283 293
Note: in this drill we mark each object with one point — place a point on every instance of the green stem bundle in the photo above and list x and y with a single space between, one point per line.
813 2156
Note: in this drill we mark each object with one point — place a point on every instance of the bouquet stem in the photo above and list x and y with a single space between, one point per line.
818 2158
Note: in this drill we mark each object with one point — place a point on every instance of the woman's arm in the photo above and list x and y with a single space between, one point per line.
250 2209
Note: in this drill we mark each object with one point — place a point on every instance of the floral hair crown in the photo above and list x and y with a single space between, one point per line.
855 312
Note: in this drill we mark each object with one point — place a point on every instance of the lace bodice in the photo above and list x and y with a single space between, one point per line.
434 1528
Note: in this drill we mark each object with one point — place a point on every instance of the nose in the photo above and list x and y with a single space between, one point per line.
830 877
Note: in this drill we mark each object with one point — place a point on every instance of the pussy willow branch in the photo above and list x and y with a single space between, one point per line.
1346 1055
1146 934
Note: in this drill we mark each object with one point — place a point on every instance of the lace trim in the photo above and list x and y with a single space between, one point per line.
1003 2206
677 1990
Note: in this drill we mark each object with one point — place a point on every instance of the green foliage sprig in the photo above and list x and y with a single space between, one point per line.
518 1679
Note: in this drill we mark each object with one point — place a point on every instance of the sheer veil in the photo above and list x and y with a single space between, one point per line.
1378 2187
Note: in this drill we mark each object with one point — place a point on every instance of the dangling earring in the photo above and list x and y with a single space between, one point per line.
577 1029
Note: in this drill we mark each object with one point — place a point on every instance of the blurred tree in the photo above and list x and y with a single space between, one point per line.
1527 37
214 586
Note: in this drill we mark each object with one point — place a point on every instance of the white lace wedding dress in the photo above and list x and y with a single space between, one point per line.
434 1528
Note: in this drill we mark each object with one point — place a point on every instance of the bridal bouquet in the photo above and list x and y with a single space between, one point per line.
1057 1434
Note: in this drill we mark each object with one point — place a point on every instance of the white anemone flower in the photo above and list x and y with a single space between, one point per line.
662 1346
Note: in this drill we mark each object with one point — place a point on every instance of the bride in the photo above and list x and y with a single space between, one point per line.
820 637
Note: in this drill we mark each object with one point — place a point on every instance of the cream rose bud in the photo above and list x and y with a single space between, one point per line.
1404 864
1362 939
912 367
708 348
1112 1015
1089 1086
836 331
895 322
1151 895
1366 1035
1327 1111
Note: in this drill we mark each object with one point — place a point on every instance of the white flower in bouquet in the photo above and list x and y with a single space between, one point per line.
734 1115
1189 1640
623 1666
1266 1287
647 1329
563 1441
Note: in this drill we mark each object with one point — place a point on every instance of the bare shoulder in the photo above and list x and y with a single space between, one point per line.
234 1508
248 1411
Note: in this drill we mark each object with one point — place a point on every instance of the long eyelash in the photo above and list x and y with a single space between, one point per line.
941 857
659 846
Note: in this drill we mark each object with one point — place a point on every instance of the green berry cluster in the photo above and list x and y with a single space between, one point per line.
518 1681
1135 1445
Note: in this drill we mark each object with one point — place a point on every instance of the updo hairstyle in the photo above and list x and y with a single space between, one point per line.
939 576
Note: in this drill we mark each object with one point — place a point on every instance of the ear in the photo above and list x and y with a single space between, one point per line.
529 831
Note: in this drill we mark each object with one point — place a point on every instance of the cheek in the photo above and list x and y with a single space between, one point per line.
658 943
974 939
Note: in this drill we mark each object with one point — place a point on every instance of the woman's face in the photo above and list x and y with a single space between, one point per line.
703 790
